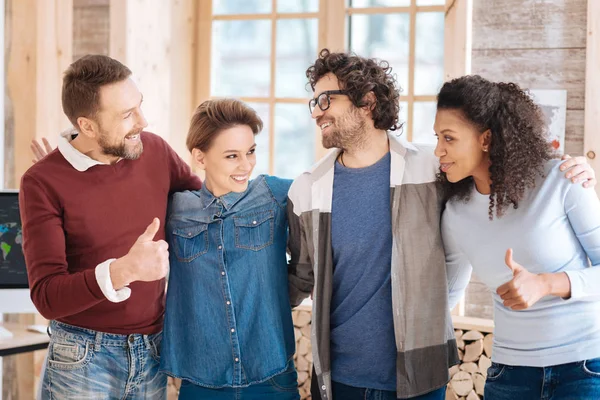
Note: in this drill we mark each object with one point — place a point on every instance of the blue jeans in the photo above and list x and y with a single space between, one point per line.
345 392
280 387
574 381
86 364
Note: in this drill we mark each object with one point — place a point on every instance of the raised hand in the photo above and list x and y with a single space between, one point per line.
524 289
38 151
578 170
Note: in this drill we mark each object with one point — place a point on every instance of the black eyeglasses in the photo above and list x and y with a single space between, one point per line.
323 100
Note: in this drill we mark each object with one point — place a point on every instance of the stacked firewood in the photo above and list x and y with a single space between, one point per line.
303 357
468 377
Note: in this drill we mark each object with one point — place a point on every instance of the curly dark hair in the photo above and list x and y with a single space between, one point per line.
519 147
359 76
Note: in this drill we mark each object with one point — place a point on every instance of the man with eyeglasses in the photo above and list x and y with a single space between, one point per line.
365 241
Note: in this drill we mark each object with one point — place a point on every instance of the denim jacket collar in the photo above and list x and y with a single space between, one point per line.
228 200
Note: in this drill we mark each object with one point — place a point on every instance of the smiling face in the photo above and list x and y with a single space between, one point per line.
342 124
461 147
228 161
120 120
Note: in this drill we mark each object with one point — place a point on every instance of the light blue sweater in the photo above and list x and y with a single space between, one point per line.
555 229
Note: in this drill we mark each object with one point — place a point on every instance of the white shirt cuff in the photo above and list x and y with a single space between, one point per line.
106 286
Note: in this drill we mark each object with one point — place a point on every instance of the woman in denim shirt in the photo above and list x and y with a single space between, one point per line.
228 330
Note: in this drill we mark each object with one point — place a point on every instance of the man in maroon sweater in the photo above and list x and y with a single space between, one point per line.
93 213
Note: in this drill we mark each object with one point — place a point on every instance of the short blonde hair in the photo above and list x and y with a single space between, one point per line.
214 116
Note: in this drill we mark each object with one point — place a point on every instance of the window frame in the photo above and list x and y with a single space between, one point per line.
332 34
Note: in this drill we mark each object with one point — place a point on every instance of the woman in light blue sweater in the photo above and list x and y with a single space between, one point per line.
529 234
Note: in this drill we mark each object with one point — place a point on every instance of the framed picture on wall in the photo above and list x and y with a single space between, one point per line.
554 106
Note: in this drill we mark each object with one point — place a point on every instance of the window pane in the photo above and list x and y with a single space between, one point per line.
384 36
241 58
296 50
294 140
262 140
424 113
431 2
221 7
377 3
429 53
290 6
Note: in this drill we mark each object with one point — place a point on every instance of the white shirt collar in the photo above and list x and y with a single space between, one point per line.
77 159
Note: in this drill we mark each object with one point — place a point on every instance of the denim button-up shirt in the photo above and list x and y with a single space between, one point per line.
228 318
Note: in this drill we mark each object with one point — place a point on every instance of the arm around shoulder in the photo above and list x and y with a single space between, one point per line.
300 269
458 267
181 175
583 211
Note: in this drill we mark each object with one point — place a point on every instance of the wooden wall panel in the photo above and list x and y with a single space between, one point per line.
574 132
529 24
90 27
39 50
458 25
537 69
592 94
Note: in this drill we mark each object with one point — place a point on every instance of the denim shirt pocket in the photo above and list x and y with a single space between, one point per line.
190 242
254 231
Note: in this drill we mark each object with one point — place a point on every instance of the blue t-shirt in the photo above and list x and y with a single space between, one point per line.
363 347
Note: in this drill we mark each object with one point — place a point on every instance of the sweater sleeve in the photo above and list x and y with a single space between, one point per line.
55 291
458 268
181 175
583 211
300 271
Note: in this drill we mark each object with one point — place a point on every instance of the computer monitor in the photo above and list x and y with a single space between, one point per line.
14 287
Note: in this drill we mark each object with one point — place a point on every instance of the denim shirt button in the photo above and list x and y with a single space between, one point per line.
220 247
237 359
232 330
222 272
254 222
228 302
190 234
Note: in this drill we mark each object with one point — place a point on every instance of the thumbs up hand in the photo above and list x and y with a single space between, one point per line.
524 289
147 260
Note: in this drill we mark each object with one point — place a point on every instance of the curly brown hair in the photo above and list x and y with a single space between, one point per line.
519 147
359 76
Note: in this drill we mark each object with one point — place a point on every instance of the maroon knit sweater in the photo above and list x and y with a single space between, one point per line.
73 221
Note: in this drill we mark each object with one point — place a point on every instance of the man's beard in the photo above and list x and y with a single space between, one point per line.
350 132
121 150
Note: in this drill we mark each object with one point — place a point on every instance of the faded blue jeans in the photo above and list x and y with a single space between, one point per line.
574 381
86 364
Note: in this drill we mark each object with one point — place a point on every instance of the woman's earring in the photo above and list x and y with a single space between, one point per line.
485 149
